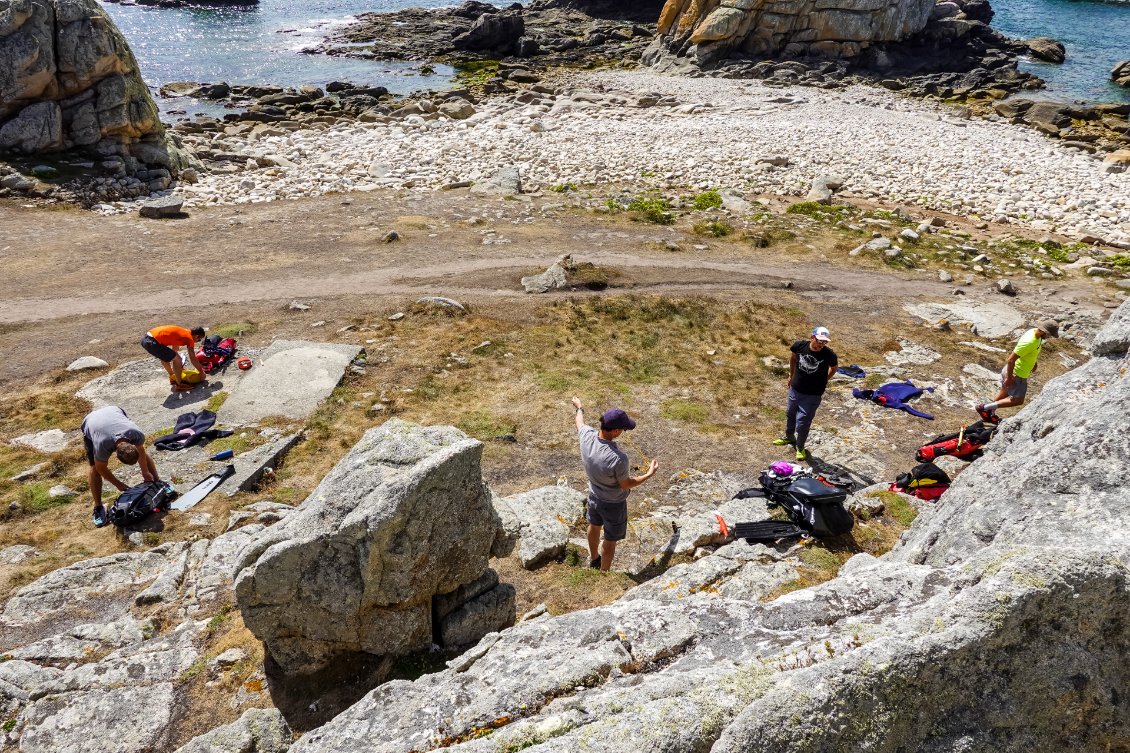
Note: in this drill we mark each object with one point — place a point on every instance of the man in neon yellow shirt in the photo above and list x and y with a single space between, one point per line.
1019 366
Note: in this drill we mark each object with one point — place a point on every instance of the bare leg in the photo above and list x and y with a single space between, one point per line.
594 542
94 481
169 370
1009 402
178 369
607 552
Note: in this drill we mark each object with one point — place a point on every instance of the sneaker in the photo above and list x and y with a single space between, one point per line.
595 564
801 454
784 441
986 415
99 517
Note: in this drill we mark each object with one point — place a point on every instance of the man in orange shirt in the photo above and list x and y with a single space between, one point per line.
162 342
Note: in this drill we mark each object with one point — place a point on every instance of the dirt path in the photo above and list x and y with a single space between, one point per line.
77 283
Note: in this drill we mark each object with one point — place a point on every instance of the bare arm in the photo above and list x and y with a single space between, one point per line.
194 360
103 470
580 413
145 462
631 482
832 371
1009 365
792 367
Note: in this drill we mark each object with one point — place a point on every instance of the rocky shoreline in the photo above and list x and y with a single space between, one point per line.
766 137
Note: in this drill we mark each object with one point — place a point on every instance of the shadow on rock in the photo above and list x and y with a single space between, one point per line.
832 470
310 700
207 389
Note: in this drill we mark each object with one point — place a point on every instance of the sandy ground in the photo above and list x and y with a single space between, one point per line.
75 283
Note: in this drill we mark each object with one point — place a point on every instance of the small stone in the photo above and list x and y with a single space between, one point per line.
1099 271
27 473
390 236
1006 287
945 276
319 323
909 235
297 306
166 206
61 491
440 302
396 317
87 362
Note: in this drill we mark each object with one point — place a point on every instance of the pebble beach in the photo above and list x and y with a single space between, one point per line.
639 131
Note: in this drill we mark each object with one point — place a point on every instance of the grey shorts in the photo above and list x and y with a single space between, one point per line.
613 516
1019 386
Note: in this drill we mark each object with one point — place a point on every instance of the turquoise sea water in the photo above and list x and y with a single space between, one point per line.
261 44
1096 35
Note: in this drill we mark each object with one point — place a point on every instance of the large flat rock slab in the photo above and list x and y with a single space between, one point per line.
141 389
190 465
290 379
989 320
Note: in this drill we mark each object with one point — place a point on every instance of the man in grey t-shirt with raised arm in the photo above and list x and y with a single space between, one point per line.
105 432
609 482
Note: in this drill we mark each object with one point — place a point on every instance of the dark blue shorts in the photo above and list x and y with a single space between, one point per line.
612 515
156 349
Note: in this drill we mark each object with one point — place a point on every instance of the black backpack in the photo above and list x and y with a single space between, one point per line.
925 481
139 502
810 503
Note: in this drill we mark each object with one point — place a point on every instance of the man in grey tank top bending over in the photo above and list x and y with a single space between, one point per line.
609 482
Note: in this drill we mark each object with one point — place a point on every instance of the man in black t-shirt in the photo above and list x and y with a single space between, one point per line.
812 365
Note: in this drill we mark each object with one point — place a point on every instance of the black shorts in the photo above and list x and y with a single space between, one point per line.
613 516
86 443
156 349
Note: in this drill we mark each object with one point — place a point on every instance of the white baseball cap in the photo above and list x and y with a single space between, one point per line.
822 334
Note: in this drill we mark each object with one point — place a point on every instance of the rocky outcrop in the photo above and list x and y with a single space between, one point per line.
1000 623
537 523
1120 74
257 731
70 84
547 32
403 518
706 30
1046 49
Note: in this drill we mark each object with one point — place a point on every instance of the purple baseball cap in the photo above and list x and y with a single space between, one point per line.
616 419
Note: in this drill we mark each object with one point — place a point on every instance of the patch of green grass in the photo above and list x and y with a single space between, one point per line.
645 370
1120 262
707 200
219 618
655 209
151 538
35 497
483 424
9 724
896 507
563 188
237 443
194 670
553 381
680 409
820 558
216 401
475 72
817 210
233 329
713 228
